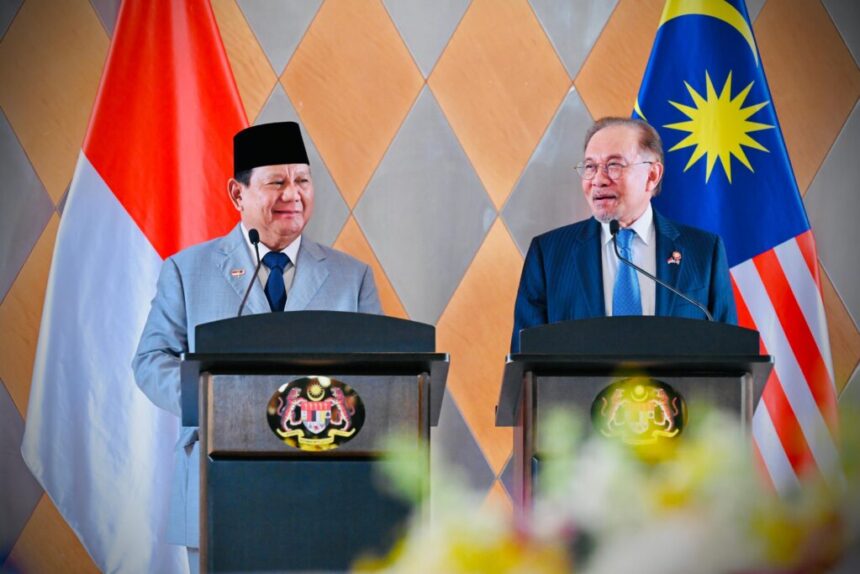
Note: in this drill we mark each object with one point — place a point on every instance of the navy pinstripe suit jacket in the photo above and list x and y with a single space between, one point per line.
562 277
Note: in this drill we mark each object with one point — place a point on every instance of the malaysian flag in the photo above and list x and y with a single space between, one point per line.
727 171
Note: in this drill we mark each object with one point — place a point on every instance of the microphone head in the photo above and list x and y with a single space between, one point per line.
613 226
254 236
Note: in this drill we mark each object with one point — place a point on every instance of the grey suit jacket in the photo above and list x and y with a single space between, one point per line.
204 283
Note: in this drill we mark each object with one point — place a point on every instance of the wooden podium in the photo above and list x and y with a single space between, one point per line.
575 364
304 496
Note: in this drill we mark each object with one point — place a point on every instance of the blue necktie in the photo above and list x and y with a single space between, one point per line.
276 291
625 295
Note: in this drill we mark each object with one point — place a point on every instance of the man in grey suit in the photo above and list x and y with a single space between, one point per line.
273 191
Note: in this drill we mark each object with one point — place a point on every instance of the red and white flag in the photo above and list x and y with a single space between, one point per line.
150 180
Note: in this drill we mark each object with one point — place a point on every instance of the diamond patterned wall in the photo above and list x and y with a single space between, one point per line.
442 136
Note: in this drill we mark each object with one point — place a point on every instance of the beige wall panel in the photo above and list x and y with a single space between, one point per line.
844 336
352 81
814 81
47 544
608 81
499 82
476 329
351 240
498 501
51 60
20 317
251 69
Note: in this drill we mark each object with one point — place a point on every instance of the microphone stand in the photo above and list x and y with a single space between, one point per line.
254 236
613 229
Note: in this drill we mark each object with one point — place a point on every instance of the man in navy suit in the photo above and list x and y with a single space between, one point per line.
273 192
573 272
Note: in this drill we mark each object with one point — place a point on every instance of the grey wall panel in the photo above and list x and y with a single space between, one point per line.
19 491
279 26
846 16
548 195
8 9
833 204
425 212
754 8
454 450
573 26
25 207
426 27
107 10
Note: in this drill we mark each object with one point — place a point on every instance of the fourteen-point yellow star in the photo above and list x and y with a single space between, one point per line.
719 126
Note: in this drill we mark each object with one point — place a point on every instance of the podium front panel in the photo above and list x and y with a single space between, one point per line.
238 425
732 394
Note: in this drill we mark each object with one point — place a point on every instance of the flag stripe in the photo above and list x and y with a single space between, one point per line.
760 463
168 101
786 367
92 437
797 332
769 446
764 473
806 244
807 293
794 450
744 316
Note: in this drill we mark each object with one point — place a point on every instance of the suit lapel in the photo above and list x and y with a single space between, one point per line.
237 268
311 273
589 266
669 242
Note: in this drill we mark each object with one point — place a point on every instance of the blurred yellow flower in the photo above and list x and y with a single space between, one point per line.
699 505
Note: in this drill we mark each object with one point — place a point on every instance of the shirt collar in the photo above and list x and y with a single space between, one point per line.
644 227
292 249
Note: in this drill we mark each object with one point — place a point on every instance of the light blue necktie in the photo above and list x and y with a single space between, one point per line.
276 291
625 295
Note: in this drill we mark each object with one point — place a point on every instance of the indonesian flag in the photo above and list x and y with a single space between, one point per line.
150 180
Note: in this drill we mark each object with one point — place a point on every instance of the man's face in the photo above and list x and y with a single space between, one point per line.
277 202
626 197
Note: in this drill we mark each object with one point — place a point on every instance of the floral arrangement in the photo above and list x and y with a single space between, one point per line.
697 504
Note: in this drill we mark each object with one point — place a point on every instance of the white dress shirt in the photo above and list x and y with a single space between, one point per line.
292 252
644 247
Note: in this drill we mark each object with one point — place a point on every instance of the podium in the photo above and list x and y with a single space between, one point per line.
292 409
583 365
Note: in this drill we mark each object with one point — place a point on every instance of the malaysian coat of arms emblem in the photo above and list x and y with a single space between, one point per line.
639 411
315 413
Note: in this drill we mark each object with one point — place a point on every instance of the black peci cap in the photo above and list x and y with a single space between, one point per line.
268 144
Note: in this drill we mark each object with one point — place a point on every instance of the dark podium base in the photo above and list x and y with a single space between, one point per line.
266 506
332 512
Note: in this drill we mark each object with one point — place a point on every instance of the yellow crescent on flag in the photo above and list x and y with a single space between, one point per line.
718 9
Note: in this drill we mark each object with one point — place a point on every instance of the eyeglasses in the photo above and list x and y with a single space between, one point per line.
612 169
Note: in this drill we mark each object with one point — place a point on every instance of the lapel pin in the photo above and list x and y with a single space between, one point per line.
675 259
237 272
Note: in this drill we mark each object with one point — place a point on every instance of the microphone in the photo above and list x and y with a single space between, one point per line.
613 229
254 236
